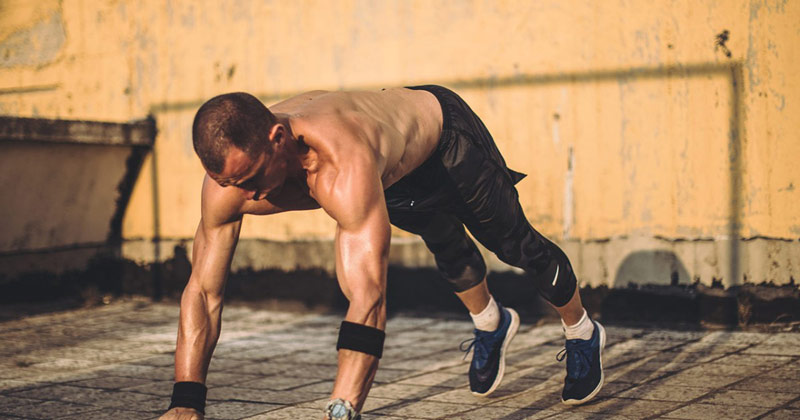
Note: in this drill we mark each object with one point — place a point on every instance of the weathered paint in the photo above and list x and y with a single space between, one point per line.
57 195
630 118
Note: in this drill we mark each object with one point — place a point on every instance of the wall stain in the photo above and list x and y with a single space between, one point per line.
719 44
38 45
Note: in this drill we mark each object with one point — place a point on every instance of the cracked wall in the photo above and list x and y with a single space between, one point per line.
666 127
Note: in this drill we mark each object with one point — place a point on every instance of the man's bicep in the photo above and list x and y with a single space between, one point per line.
363 233
212 253
215 241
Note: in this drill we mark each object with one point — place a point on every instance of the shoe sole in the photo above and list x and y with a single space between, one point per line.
602 378
512 331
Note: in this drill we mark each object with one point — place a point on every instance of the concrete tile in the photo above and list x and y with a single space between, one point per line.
162 360
277 382
114 414
664 392
763 360
237 410
401 391
422 373
626 407
752 398
6 401
288 413
537 398
257 368
46 409
791 372
575 415
722 367
111 382
437 379
159 388
371 405
230 393
459 396
783 414
774 349
633 376
386 375
707 411
139 371
504 413
11 385
696 379
424 410
221 378
54 392
765 384
118 399
323 387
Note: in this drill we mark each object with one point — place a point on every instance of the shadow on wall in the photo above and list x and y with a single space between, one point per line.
653 286
657 267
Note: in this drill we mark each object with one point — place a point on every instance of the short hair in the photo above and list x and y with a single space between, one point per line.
233 119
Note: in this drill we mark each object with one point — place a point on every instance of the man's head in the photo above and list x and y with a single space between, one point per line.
242 144
233 119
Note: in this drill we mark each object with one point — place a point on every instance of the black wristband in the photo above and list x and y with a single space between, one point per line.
189 395
361 338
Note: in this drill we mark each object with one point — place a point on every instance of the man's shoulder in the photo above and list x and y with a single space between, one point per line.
220 205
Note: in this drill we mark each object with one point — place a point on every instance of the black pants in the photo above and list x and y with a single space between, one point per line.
466 182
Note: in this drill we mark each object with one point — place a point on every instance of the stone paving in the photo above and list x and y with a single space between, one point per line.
115 362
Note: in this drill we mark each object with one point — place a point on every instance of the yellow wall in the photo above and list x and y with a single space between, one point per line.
627 116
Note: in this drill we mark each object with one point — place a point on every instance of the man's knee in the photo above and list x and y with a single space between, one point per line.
557 284
544 261
463 270
457 256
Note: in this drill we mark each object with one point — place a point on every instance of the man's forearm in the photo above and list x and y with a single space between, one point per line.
199 328
357 369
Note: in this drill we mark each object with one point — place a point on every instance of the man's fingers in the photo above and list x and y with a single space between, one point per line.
181 413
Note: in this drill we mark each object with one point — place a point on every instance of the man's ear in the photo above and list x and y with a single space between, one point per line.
277 133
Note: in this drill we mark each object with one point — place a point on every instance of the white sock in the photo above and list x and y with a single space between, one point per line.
583 329
489 317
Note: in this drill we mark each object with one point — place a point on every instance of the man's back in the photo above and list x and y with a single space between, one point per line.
401 126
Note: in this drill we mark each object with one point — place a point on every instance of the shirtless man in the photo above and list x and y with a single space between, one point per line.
417 158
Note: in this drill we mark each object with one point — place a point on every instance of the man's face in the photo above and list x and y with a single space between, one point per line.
255 178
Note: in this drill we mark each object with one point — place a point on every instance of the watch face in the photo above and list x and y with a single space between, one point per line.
339 411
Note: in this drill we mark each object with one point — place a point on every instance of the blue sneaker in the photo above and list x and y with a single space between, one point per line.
584 367
489 356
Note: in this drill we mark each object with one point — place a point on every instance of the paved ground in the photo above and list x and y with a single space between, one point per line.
114 362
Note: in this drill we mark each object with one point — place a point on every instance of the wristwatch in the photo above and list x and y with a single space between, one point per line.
339 409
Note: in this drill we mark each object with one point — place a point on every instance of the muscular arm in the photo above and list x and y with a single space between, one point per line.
201 302
355 200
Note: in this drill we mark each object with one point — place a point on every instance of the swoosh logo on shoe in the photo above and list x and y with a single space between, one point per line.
489 370
555 278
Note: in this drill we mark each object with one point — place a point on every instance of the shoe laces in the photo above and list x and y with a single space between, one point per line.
579 355
481 345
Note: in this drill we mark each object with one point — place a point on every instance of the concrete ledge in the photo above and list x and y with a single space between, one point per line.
138 133
412 286
614 263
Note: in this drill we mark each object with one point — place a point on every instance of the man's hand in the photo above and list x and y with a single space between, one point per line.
182 413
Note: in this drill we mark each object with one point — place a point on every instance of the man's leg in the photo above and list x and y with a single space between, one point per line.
461 264
505 231
573 311
476 298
